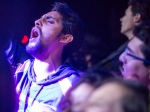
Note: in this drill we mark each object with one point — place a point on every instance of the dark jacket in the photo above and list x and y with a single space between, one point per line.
112 63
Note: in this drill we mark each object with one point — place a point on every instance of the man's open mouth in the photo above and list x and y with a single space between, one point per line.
34 33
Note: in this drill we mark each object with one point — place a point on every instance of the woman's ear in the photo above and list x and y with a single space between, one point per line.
67 38
137 18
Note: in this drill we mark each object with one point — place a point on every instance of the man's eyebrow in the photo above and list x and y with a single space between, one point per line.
48 17
128 48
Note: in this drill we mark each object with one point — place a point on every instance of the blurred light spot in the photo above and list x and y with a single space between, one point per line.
25 39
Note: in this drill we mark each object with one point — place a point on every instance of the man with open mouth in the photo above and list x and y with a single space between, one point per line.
43 80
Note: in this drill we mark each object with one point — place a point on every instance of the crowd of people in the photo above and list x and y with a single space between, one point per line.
45 82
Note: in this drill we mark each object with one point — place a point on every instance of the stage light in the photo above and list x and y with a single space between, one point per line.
25 39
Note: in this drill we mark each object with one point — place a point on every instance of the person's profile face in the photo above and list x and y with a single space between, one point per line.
81 93
44 36
79 96
127 21
106 99
133 68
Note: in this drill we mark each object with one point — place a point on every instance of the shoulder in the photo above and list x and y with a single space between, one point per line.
74 78
67 68
23 67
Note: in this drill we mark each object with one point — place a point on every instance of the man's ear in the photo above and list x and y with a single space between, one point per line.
67 38
137 18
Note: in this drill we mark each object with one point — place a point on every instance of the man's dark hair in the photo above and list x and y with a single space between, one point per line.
138 100
142 32
93 77
141 7
137 97
71 25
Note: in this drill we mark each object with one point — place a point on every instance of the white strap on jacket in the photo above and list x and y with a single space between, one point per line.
65 84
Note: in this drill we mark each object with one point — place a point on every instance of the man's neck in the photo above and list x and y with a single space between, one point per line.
44 68
129 35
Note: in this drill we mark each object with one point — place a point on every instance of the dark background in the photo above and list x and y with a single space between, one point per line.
101 19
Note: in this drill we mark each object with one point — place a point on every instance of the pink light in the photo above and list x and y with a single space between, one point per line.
25 39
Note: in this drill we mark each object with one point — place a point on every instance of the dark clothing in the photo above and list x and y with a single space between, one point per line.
15 53
112 63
